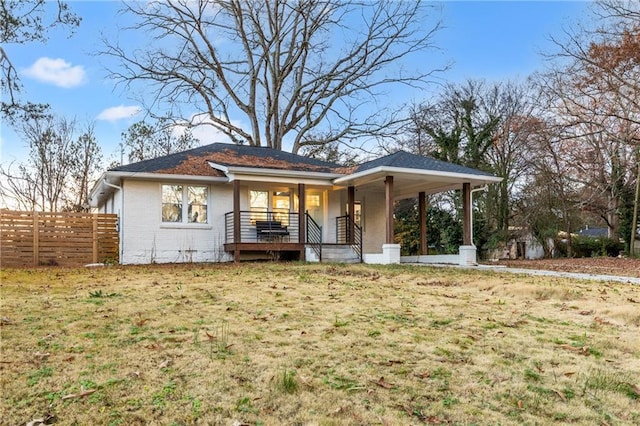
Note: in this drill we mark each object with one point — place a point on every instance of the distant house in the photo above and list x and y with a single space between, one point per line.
225 202
594 232
522 245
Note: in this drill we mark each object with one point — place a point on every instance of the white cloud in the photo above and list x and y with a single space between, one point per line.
206 133
57 72
118 113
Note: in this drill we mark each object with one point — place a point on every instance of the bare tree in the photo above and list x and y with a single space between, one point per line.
481 125
59 168
86 167
292 70
551 198
593 87
25 21
144 141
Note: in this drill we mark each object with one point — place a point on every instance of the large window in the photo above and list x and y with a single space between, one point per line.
274 205
184 204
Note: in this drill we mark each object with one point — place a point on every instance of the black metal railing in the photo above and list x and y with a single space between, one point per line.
314 236
279 226
349 232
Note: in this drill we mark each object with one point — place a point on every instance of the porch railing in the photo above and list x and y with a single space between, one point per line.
314 236
349 232
263 227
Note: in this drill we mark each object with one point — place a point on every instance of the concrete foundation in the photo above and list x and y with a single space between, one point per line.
390 255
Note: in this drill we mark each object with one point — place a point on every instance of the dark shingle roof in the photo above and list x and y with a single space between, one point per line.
594 232
195 161
403 159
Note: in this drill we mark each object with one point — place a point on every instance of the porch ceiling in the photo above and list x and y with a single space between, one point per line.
407 183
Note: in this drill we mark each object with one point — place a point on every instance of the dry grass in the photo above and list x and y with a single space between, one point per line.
315 344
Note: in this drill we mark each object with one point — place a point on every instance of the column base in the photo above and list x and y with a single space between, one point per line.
468 256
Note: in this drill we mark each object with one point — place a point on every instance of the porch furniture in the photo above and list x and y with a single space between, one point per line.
271 230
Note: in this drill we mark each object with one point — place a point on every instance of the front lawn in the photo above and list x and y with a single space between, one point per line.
305 344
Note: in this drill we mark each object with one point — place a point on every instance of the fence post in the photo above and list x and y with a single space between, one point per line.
95 238
36 239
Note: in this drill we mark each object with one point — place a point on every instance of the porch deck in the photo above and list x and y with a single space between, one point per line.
286 236
266 250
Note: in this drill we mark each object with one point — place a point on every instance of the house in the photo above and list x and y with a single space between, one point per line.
588 232
223 202
522 245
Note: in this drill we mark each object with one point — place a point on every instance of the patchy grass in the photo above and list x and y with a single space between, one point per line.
315 344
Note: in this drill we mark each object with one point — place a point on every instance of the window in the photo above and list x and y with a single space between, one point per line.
280 204
181 203
259 205
357 213
265 205
172 203
197 204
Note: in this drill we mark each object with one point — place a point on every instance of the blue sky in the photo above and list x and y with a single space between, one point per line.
482 40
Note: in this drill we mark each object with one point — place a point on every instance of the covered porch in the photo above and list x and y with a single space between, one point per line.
292 222
304 218
402 175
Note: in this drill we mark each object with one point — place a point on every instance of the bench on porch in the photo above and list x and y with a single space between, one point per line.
270 230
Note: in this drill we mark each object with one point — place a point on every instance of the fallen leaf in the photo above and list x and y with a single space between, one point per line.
154 346
602 321
382 383
520 405
585 312
569 373
41 355
582 351
635 388
79 394
560 395
391 362
164 364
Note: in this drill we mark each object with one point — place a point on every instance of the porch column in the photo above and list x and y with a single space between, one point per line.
236 220
466 214
302 217
422 208
388 189
351 203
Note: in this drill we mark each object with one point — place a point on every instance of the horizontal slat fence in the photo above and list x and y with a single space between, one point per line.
53 238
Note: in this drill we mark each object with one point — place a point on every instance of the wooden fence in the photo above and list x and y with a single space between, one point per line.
51 238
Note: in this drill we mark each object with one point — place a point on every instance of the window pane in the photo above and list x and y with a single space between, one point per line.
259 200
258 204
197 204
280 205
172 203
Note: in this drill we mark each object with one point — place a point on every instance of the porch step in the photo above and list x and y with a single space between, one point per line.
339 254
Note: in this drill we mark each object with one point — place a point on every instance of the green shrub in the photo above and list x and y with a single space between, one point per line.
592 247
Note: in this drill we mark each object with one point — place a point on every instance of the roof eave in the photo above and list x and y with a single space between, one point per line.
303 174
402 170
